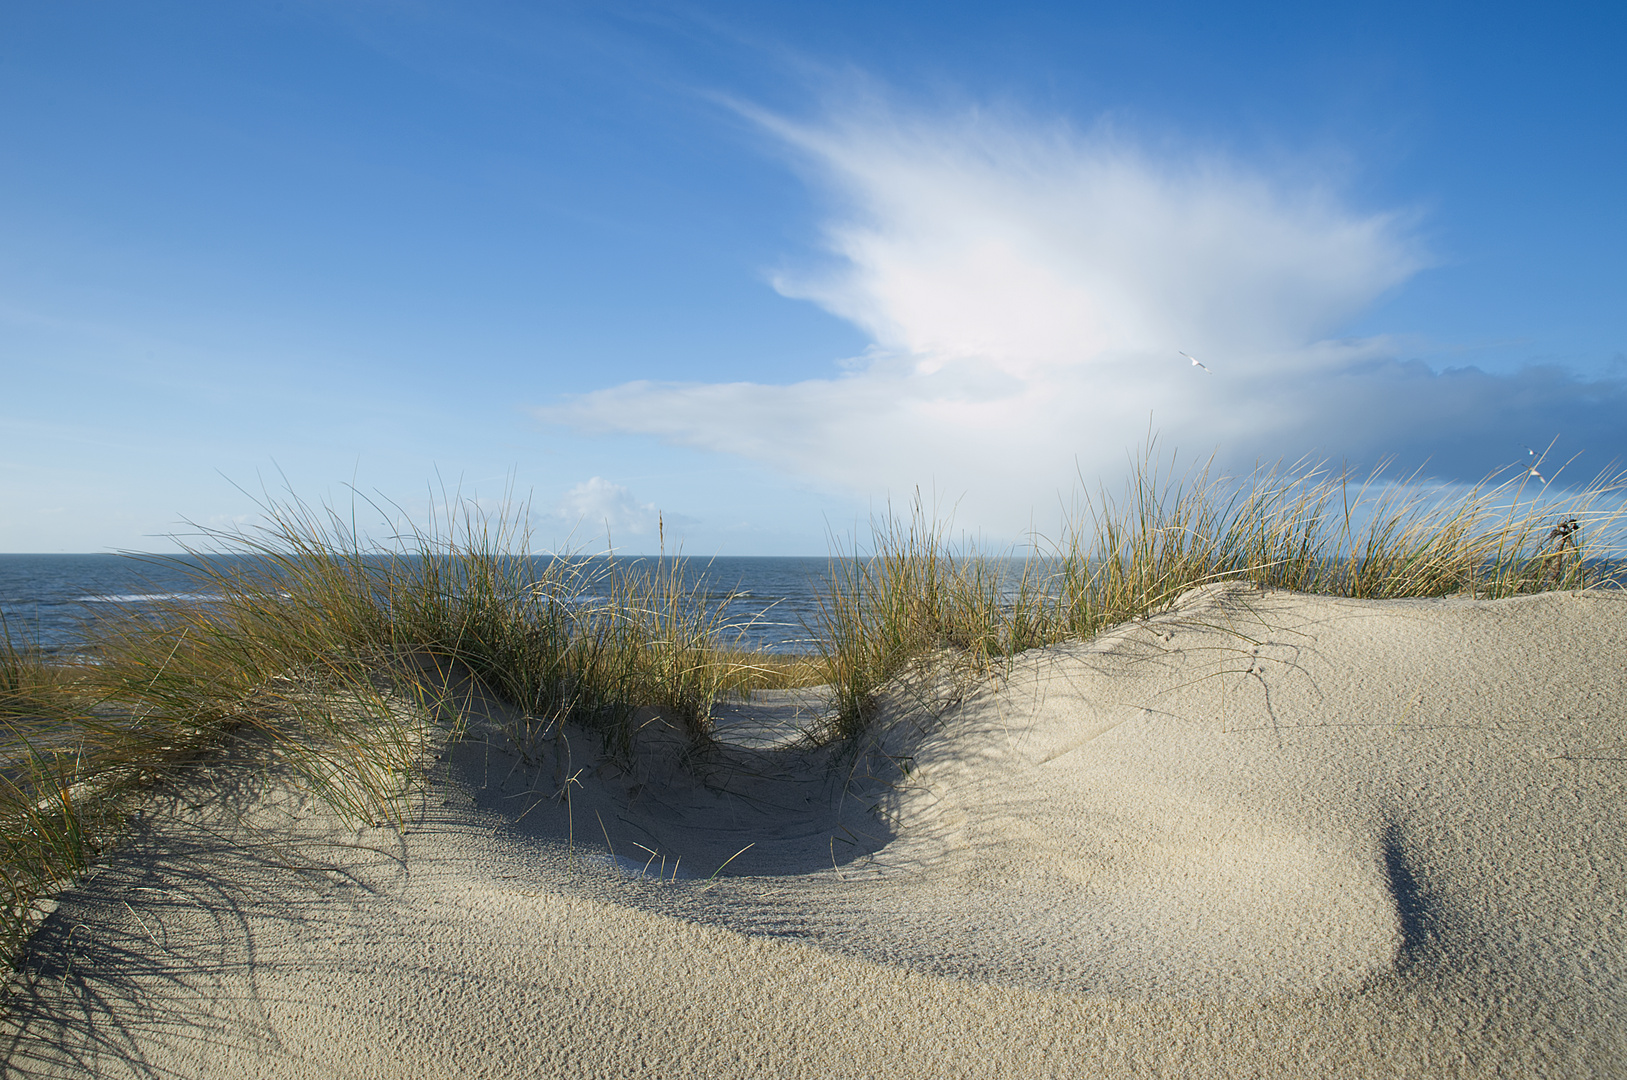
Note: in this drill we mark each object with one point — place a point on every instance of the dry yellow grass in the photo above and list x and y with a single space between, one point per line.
1127 556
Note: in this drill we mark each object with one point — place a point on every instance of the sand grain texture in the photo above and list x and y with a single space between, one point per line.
1257 835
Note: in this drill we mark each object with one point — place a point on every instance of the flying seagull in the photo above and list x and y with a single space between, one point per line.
1534 463
1196 362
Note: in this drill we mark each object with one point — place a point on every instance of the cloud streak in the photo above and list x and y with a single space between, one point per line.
1028 291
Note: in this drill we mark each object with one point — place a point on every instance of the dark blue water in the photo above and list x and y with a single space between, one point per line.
46 599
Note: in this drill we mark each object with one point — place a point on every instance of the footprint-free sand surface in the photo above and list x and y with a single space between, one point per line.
1263 834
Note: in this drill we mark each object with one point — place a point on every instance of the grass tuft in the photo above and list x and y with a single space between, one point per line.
51 825
1129 556
324 655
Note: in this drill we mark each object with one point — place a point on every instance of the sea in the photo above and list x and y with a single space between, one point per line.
46 601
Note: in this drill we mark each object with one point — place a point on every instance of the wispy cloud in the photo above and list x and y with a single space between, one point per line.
1029 289
597 504
599 509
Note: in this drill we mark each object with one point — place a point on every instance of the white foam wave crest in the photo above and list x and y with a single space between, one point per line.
154 598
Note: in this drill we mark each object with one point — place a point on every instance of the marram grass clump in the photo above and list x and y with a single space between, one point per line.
305 613
51 825
328 657
915 597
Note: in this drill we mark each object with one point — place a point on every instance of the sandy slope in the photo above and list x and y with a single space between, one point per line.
1260 835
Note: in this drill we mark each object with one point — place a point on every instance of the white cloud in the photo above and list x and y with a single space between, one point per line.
597 504
1028 289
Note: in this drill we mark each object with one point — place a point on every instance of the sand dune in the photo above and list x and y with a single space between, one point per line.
1262 834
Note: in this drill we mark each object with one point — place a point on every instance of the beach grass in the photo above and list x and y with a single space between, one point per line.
915 595
50 828
331 656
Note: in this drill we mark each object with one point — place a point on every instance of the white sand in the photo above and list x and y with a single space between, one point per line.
1261 835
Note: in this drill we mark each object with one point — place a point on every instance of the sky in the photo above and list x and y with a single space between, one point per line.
737 277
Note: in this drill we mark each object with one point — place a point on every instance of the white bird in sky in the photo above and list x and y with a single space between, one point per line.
1533 454
1196 362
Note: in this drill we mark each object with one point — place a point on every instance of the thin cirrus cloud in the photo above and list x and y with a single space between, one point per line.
1028 291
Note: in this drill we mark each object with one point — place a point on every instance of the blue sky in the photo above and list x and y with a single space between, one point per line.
761 268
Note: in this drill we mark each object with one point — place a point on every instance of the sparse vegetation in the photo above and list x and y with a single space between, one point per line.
1307 529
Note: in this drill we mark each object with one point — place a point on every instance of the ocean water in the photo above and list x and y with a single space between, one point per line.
46 600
